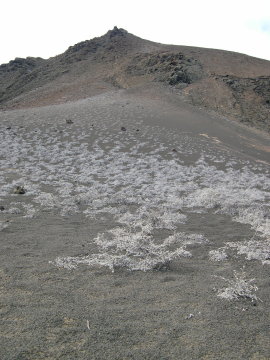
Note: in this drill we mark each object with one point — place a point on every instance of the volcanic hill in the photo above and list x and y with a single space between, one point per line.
134 205
231 84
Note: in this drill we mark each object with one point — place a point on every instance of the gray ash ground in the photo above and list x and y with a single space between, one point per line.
135 244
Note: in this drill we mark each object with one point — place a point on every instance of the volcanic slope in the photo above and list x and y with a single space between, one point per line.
132 228
231 84
133 224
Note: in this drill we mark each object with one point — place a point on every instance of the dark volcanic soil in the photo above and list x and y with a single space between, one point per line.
143 232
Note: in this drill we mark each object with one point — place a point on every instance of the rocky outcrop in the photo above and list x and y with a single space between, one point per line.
22 65
114 44
172 68
252 99
242 99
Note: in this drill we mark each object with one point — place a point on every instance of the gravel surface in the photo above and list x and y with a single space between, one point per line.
132 226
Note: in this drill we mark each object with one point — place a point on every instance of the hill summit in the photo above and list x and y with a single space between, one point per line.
231 84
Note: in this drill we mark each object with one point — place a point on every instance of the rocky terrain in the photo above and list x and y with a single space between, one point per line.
134 204
231 84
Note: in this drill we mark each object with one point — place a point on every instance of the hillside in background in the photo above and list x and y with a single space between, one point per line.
231 84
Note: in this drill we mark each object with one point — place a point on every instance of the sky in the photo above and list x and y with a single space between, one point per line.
45 28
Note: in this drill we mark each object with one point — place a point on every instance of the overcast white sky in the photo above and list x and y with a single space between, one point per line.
48 27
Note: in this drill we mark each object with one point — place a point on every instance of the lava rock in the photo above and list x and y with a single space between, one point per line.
19 190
